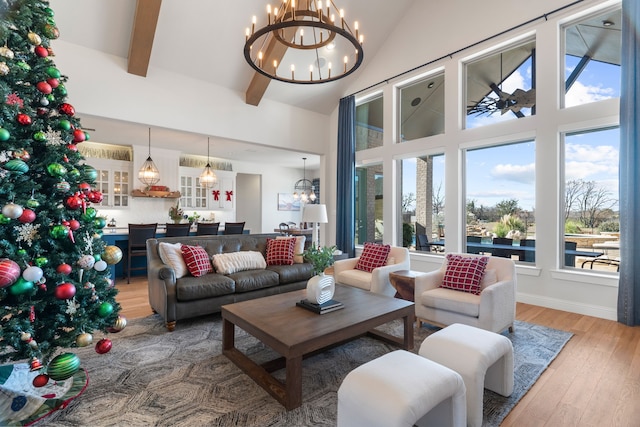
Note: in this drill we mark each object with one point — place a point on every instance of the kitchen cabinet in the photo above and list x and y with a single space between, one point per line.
114 182
194 196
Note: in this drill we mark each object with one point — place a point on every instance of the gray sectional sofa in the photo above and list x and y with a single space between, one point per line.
182 298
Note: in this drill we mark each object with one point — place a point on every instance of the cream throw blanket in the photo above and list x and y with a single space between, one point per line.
238 261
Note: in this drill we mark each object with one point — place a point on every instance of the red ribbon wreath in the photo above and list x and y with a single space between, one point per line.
216 195
229 194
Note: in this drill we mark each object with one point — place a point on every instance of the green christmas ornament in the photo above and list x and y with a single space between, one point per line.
41 261
53 72
89 215
58 231
22 252
64 124
61 90
89 173
63 366
17 166
56 169
40 136
51 97
32 203
4 134
21 287
23 65
97 257
4 219
74 173
100 222
104 310
50 13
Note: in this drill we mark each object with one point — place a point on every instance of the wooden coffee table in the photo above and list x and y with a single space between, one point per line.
295 333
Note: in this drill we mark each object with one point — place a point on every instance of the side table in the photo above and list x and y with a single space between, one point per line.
404 283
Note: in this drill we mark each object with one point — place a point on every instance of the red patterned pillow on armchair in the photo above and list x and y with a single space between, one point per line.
373 256
464 273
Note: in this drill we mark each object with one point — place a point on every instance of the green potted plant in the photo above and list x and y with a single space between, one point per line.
176 213
321 257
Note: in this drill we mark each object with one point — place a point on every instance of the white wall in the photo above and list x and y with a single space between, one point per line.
434 29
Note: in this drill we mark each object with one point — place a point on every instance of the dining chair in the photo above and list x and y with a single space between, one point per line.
174 230
234 227
207 228
138 235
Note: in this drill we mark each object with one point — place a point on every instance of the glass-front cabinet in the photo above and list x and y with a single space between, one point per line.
194 196
114 182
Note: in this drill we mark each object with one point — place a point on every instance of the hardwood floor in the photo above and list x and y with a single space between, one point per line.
594 381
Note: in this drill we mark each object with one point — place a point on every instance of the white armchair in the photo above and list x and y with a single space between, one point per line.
377 281
493 310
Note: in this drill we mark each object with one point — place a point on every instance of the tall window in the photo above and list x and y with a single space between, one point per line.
591 208
422 202
501 86
500 191
369 125
369 203
592 59
422 109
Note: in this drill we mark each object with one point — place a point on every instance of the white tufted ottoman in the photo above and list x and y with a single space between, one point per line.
484 359
401 389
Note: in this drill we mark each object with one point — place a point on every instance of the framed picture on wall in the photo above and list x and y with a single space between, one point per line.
286 202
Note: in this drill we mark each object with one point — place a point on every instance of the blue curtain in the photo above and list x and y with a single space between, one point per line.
629 286
345 227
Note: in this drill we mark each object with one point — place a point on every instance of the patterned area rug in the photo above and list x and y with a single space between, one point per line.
153 377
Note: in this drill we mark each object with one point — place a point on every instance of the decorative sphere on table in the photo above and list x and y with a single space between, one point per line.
112 254
118 325
103 346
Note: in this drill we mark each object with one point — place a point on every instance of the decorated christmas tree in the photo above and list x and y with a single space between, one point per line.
55 289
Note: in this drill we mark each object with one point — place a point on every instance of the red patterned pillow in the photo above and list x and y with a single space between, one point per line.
280 251
464 273
373 256
197 260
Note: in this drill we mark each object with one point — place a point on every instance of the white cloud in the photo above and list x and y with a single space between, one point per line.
585 161
580 94
524 174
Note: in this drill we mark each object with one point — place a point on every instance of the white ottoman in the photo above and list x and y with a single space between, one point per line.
401 389
484 359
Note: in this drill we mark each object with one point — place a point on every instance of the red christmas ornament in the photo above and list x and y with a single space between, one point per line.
41 51
73 202
23 119
65 269
54 83
103 346
78 135
27 217
84 188
72 147
44 87
50 51
65 291
74 224
9 272
41 380
42 111
95 196
67 109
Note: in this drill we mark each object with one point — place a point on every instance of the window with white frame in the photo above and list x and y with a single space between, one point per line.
500 200
369 204
421 108
369 125
422 204
592 49
501 86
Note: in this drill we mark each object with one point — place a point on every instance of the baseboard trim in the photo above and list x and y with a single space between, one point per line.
570 306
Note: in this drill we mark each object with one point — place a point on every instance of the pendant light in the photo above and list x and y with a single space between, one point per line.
208 177
148 173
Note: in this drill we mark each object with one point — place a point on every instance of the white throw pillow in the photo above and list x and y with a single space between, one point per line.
238 261
297 249
171 254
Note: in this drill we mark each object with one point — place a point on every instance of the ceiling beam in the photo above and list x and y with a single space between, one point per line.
142 34
273 51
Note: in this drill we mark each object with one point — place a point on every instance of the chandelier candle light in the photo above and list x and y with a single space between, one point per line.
208 177
304 34
148 173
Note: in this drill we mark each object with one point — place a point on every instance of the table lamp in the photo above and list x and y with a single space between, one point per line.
315 213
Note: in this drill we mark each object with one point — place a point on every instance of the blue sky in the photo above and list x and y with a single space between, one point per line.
508 172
